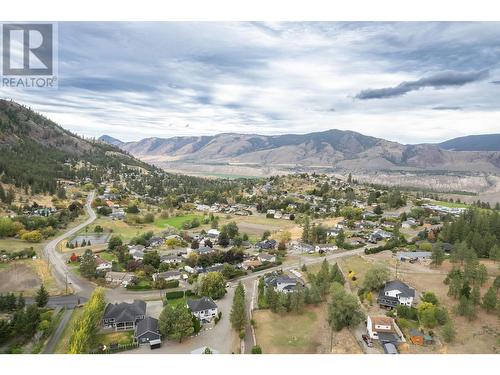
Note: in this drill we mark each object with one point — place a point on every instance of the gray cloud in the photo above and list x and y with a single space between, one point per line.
439 80
495 82
447 108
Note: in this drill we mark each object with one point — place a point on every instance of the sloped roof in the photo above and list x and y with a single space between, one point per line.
125 312
405 290
145 325
204 303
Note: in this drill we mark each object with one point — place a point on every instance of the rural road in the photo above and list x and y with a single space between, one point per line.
59 269
51 344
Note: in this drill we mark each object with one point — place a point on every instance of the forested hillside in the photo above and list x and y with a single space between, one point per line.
35 152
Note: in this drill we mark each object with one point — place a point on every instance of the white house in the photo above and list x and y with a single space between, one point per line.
384 329
204 308
323 248
395 293
213 233
264 257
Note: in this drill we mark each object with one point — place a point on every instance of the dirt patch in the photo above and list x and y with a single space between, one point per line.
18 277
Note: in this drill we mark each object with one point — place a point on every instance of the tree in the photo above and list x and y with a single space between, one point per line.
305 231
449 331
430 297
98 229
438 254
378 210
376 277
426 312
213 285
466 308
272 298
86 327
42 296
266 235
256 349
88 264
495 253
238 315
151 258
343 310
35 236
231 229
476 295
176 323
490 299
114 242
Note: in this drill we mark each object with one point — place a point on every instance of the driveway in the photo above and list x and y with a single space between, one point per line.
221 337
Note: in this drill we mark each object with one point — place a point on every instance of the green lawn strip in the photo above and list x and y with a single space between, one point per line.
177 221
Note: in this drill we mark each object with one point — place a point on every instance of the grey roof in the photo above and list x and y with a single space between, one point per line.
390 348
414 254
125 312
145 325
168 274
405 290
204 303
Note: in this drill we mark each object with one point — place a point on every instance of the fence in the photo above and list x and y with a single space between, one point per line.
116 349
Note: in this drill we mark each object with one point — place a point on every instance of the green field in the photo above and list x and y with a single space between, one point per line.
176 221
450 204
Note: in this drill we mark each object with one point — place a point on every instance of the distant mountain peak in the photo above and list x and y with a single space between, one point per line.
110 140
480 142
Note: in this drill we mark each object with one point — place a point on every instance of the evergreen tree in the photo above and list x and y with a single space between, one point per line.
490 299
238 316
42 296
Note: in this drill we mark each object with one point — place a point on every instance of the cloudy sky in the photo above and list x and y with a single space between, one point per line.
407 82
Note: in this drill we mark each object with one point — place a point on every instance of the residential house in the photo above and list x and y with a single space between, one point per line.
282 283
303 247
155 241
264 257
119 278
384 329
213 233
395 293
147 331
167 275
409 223
251 263
102 265
266 244
203 308
323 248
171 259
123 316
410 255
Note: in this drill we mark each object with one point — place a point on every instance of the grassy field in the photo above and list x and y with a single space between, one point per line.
121 338
307 333
356 264
119 227
450 204
176 221
62 345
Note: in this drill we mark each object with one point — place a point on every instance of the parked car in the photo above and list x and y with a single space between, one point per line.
367 340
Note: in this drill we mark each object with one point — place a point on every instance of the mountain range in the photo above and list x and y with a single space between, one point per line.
334 149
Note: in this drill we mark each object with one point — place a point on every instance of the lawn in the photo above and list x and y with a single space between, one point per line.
450 204
62 345
356 264
121 338
176 221
120 228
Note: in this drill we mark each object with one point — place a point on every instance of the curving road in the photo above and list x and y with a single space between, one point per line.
59 268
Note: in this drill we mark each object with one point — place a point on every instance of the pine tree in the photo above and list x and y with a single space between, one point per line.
238 315
42 296
490 299
306 231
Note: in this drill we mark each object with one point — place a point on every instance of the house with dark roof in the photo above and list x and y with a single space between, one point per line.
203 308
282 283
123 316
146 331
395 293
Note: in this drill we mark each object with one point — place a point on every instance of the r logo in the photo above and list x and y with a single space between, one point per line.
27 49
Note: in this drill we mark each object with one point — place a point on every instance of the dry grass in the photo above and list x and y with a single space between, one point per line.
63 343
307 333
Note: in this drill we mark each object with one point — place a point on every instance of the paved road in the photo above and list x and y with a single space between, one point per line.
221 337
51 344
59 268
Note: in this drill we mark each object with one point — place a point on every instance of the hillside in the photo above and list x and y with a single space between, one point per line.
334 149
483 142
35 152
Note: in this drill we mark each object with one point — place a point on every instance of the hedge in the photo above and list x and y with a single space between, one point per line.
178 294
